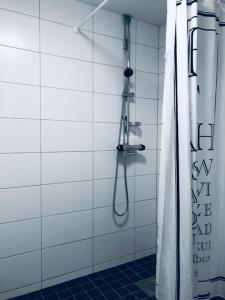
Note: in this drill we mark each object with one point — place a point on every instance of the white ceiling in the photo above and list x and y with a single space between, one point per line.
151 11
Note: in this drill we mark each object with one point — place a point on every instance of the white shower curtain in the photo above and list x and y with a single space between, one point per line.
191 205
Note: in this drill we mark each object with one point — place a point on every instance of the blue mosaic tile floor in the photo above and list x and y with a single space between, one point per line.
115 283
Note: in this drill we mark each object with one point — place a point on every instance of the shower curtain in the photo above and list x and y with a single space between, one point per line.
191 204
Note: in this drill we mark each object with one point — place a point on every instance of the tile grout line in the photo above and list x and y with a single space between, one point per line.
74 90
135 108
157 136
73 181
71 212
41 198
73 58
93 162
130 229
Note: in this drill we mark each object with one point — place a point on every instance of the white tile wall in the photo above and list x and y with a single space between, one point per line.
145 238
66 73
65 228
61 40
18 30
108 79
146 85
107 108
108 23
66 167
20 237
16 138
19 101
25 202
19 66
145 212
19 170
59 104
29 7
66 197
145 187
78 136
69 257
103 191
116 245
147 34
11 276
106 222
59 121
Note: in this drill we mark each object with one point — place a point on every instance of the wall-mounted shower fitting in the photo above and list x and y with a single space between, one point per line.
125 148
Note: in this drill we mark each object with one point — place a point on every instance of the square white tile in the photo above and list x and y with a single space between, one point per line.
146 59
19 203
66 73
19 170
11 276
145 187
147 34
146 85
108 79
18 135
66 197
20 237
66 136
19 101
145 238
116 245
18 30
66 228
59 104
145 212
66 167
146 111
69 258
19 66
62 40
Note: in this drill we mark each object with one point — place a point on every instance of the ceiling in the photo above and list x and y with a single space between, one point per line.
151 11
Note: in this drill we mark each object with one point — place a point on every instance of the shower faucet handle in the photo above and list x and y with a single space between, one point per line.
134 123
130 95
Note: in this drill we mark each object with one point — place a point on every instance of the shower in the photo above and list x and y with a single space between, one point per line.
125 149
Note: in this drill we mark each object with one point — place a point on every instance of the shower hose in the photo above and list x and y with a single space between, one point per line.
124 164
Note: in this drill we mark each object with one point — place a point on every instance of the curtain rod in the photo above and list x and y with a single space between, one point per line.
77 28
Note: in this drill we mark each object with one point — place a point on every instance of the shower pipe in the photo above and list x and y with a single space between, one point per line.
125 149
77 28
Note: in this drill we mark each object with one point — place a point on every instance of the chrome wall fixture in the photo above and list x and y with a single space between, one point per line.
124 148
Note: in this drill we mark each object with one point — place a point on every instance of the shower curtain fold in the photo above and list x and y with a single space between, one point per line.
191 205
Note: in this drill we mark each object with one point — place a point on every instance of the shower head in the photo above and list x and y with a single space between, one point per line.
128 72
